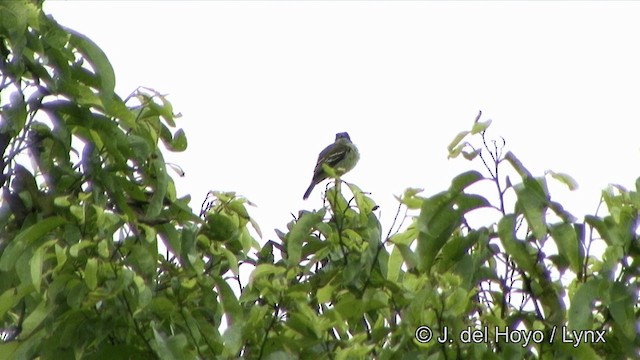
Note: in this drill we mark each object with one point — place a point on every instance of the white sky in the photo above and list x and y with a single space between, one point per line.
264 86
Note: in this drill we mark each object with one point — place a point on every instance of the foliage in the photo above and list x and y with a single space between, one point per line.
86 198
87 202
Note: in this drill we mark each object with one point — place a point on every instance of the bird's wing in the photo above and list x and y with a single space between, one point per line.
331 155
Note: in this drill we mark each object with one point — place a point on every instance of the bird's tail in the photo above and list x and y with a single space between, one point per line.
309 190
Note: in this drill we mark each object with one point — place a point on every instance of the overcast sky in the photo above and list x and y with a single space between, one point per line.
264 86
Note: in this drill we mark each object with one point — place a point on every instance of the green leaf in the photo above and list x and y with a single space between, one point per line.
533 202
517 165
91 273
514 247
140 146
456 303
349 307
8 350
299 234
325 293
233 339
410 199
566 179
267 270
11 297
171 238
61 256
230 303
36 267
144 293
120 111
443 213
580 312
568 245
281 355
598 224
37 316
583 351
622 309
464 180
470 155
24 265
170 347
436 222
100 64
62 201
25 238
232 260
559 210
464 203
179 142
395 264
456 140
410 258
75 249
16 111
455 248
365 204
17 15
611 258
76 292
156 203
480 126
218 227
453 153
406 237
78 212
164 109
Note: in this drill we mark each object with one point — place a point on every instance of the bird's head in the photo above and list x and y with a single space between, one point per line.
343 135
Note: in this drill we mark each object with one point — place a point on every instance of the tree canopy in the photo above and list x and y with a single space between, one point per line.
100 259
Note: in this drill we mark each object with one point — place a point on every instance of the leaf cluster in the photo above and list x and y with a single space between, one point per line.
87 202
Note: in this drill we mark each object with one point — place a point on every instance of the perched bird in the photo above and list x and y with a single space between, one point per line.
342 156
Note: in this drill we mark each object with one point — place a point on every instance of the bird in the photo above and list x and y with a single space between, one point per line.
342 156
